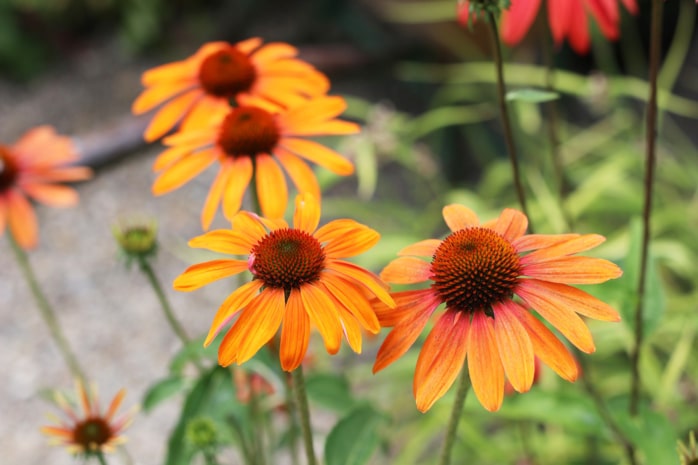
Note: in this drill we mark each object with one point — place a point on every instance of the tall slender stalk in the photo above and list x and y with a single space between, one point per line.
650 162
504 112
47 313
301 399
456 412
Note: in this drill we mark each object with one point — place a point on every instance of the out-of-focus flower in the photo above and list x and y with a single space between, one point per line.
476 271
299 281
31 169
567 18
220 73
255 139
249 383
89 432
137 239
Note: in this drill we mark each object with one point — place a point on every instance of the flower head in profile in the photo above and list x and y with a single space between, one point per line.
567 18
477 271
220 73
31 169
89 432
299 281
259 139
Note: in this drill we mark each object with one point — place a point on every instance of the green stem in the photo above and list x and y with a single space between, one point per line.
650 162
456 411
504 112
100 457
304 414
47 313
148 271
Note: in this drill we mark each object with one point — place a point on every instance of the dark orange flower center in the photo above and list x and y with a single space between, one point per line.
248 131
287 258
474 268
8 169
227 73
92 433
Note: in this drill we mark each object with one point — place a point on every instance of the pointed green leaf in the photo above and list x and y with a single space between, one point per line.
354 438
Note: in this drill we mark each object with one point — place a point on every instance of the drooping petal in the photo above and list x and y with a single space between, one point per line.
213 199
300 173
354 301
425 248
204 273
271 187
441 358
319 154
484 363
458 217
295 333
249 226
236 301
561 249
607 15
517 20
223 241
514 345
406 303
240 176
154 96
511 224
273 51
52 194
573 270
170 113
322 313
406 270
21 219
572 298
183 171
540 241
306 216
348 238
350 326
363 277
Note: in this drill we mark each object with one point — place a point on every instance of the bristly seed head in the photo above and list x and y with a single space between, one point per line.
474 268
226 73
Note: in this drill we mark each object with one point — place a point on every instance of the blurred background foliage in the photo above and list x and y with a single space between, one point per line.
423 89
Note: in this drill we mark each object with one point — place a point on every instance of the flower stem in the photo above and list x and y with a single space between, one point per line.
504 112
650 162
100 457
458 402
145 267
47 313
304 414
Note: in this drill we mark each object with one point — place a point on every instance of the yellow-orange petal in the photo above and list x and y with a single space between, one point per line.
511 224
171 156
114 405
236 301
241 174
569 247
459 217
176 71
52 194
249 226
514 345
352 299
573 299
247 46
204 273
21 219
300 173
484 363
295 333
349 239
350 328
549 348
223 241
425 248
183 171
215 194
319 154
322 313
540 241
271 187
170 113
154 96
404 334
573 270
363 277
441 358
192 137
307 213
63 174
256 325
273 51
406 270
562 318
406 303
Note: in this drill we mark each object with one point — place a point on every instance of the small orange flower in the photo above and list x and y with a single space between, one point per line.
92 432
476 271
257 139
299 279
31 168
219 73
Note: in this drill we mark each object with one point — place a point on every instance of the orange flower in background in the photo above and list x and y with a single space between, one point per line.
91 432
255 139
567 19
30 169
299 280
476 271
219 73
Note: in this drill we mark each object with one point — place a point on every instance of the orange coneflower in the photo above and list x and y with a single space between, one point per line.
252 138
476 271
31 168
299 279
91 432
219 73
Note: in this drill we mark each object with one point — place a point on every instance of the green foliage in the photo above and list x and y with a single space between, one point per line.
354 438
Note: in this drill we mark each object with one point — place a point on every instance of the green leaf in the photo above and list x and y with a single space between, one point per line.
354 438
532 95
162 390
330 391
